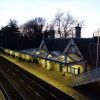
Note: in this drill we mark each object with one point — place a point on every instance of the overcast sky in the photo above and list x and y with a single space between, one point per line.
23 10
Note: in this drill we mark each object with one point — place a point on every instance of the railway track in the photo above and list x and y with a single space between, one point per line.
8 90
31 84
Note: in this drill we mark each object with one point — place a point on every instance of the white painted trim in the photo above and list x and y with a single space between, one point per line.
43 45
72 42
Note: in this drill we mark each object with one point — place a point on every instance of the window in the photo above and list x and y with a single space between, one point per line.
76 71
72 70
68 69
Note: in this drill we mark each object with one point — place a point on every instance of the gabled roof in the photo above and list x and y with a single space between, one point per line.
42 46
88 48
49 43
84 46
72 48
58 44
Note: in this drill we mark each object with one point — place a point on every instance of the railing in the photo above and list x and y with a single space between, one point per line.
87 77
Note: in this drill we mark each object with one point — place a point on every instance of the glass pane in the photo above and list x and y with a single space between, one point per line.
68 69
72 70
76 71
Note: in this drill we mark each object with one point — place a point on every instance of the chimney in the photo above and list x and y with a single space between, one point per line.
78 31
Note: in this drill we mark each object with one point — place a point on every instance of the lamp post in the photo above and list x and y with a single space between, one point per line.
97 51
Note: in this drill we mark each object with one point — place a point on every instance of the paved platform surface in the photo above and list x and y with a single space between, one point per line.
54 78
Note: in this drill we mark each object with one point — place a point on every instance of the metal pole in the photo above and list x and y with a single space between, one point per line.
97 51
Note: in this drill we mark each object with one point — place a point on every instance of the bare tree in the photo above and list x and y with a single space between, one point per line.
68 24
58 21
65 23
33 27
31 32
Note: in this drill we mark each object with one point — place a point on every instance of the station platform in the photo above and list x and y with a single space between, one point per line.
55 78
